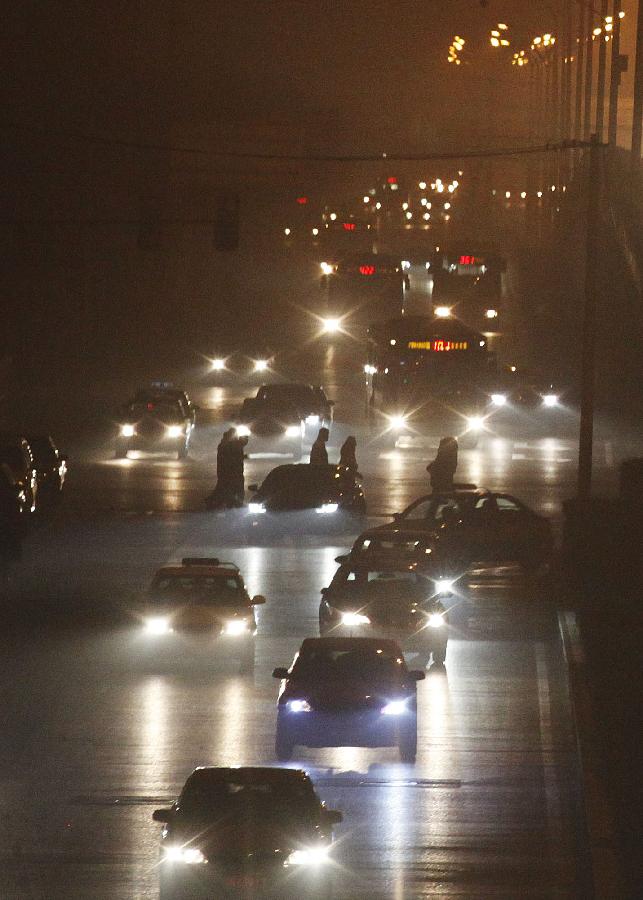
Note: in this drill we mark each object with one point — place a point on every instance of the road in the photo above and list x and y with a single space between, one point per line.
98 731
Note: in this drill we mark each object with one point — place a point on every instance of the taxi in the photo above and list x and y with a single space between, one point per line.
158 419
204 598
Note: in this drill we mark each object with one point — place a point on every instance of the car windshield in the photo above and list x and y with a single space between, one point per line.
340 663
163 410
368 585
215 798
303 481
222 590
394 543
42 449
287 393
432 510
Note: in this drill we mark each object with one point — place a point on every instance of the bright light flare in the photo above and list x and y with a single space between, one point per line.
256 509
398 422
312 856
444 585
242 431
327 268
218 365
442 312
394 708
550 399
327 509
498 399
189 855
298 706
475 423
175 431
436 620
157 625
491 314
261 365
331 326
353 619
128 430
235 627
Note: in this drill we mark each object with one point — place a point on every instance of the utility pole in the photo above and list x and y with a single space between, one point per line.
586 433
600 87
615 73
589 73
637 113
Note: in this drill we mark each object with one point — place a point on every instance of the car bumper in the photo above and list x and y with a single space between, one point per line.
346 729
410 640
209 880
303 522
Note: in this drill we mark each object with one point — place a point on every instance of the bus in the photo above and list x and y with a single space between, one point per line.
362 288
468 285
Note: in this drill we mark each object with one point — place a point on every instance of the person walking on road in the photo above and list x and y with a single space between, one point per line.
221 496
318 452
237 475
443 467
347 457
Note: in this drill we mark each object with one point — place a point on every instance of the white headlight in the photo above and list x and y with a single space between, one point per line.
157 625
394 708
218 364
326 268
398 423
550 399
327 509
243 431
175 431
475 423
310 857
442 312
190 855
436 620
298 706
498 399
261 365
331 325
236 627
444 585
312 420
352 619
491 314
406 264
256 509
293 431
370 370
128 430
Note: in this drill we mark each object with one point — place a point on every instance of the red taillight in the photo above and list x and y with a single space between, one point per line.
348 226
302 200
391 180
150 406
367 270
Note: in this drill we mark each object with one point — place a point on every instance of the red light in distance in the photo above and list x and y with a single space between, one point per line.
348 226
302 200
391 180
367 270
469 260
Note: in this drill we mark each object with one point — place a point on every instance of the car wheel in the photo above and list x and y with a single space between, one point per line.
284 744
408 743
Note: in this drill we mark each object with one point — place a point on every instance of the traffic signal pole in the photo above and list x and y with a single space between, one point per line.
586 434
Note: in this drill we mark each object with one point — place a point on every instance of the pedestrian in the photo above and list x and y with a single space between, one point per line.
221 496
347 457
443 467
237 475
318 452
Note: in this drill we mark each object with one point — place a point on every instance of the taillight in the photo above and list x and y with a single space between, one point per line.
367 270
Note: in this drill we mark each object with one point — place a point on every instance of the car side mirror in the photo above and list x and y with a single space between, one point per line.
417 675
280 673
163 815
253 487
341 559
324 590
333 816
258 600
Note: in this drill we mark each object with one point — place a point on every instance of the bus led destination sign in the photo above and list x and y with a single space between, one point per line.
439 345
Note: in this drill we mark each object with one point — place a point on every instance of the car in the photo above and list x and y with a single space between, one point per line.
51 466
311 401
273 427
303 497
202 597
246 831
249 364
478 526
387 599
17 455
342 691
159 419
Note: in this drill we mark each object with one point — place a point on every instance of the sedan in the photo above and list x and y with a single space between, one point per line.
246 832
347 692
51 466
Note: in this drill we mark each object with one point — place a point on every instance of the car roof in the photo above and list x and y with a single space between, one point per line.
199 569
249 774
346 643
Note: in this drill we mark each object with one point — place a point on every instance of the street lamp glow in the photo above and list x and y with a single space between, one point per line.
315 232
422 185
286 231
508 195
366 199
409 215
333 216
331 326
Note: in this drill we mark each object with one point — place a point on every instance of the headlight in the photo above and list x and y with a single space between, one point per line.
261 365
331 326
218 364
128 430
299 706
312 420
406 264
256 509
550 399
293 431
444 585
190 855
242 431
351 619
327 509
436 620
394 708
327 268
157 625
475 423
312 856
397 423
498 399
442 312
175 431
491 314
236 627
370 370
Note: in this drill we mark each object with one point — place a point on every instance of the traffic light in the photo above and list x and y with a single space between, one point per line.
226 222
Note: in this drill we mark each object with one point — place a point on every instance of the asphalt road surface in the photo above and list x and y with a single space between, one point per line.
100 727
